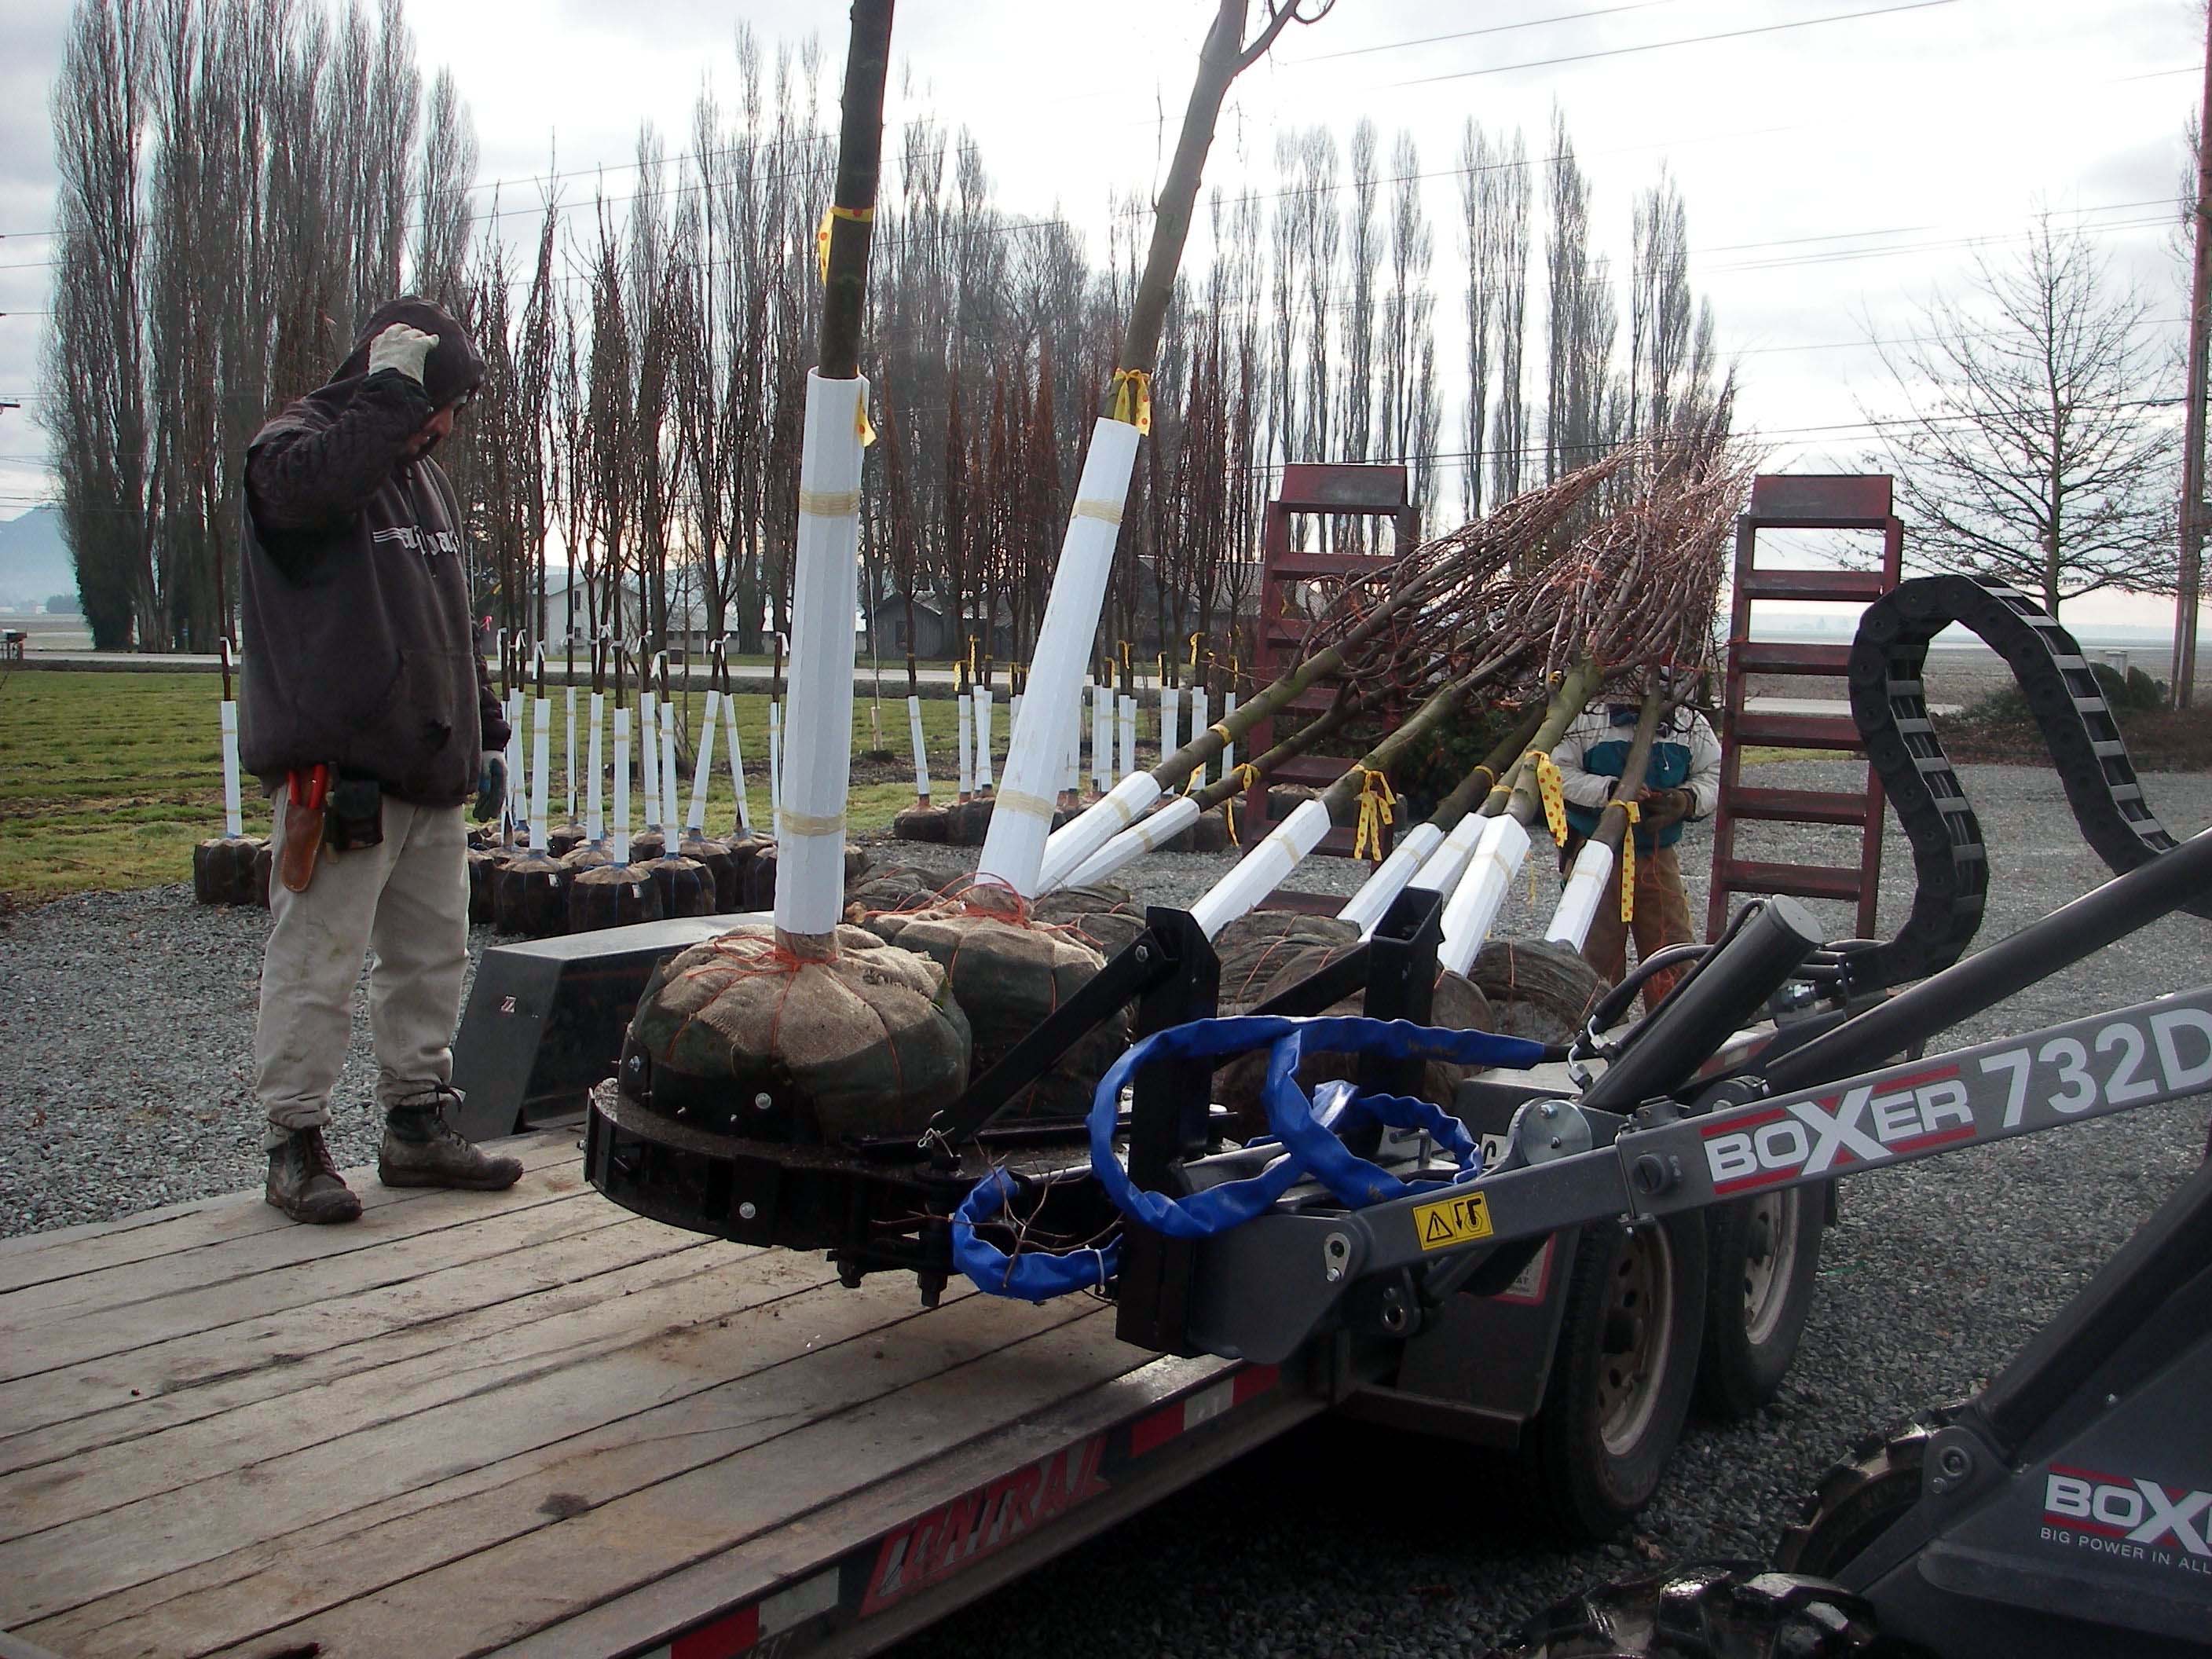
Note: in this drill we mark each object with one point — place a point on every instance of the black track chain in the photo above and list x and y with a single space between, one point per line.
1889 703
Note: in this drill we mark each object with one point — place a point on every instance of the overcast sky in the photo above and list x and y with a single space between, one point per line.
1836 172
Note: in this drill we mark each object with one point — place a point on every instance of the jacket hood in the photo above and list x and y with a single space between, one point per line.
454 367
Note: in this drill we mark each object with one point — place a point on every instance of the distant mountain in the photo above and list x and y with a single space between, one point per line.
35 563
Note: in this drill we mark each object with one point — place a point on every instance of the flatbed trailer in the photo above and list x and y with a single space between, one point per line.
528 1423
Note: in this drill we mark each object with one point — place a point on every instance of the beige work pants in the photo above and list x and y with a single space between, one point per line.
1663 918
405 905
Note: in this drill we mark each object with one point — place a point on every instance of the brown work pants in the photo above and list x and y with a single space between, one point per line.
404 905
1663 918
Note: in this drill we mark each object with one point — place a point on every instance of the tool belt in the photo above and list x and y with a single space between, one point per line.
325 808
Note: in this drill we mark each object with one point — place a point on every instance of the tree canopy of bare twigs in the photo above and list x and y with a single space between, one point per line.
2034 446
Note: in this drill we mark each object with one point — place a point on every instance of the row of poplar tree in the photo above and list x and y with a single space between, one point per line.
244 180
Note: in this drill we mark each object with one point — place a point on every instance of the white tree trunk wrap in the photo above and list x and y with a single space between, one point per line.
648 722
1390 878
233 821
672 781
1013 847
737 762
1198 724
1128 731
1480 895
1228 750
569 771
518 774
810 820
1102 737
775 759
541 770
1107 817
1587 888
964 718
595 822
1261 870
920 750
702 767
622 784
983 737
1170 713
1440 870
1147 835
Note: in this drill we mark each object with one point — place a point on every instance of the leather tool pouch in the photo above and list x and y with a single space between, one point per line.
303 828
354 817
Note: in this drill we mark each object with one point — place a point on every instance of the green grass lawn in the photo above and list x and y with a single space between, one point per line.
106 779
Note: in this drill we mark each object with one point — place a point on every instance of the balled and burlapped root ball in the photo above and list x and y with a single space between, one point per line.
612 895
968 823
485 865
1537 989
888 891
1279 950
687 887
869 1041
923 823
1102 914
1009 971
222 869
564 839
713 853
530 896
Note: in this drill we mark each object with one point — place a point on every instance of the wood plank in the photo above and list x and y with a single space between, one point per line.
507 1399
1798 806
503 1595
1796 880
35 1258
365 1551
392 1253
131 1395
670 1605
109 1478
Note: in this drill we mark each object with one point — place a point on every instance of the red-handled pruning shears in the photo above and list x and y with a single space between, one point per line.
318 787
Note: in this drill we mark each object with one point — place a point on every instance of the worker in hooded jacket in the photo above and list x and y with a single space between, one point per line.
366 700
1682 782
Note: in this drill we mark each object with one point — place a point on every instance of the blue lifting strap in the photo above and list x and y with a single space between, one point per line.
1301 1125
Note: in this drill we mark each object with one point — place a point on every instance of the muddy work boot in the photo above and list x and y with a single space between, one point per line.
420 1149
304 1183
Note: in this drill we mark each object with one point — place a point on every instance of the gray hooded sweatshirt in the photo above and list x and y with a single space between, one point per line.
353 592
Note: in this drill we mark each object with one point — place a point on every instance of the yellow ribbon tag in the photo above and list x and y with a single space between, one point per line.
859 216
1246 776
1375 800
1132 398
1554 798
1628 861
862 429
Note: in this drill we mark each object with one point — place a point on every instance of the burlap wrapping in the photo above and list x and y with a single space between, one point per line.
530 896
889 887
760 874
484 864
1008 971
1266 967
564 839
871 1042
967 823
922 823
687 889
612 895
713 853
1537 990
1103 915
222 869
743 847
647 845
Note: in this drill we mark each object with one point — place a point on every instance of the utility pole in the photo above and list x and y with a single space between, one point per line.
2190 573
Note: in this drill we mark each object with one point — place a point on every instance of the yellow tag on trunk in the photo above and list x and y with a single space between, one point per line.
1628 862
1553 796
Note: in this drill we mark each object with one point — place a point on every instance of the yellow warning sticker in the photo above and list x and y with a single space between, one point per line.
1452 1221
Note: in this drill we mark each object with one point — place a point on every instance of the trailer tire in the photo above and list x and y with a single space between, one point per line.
1762 1258
1622 1375
1705 1613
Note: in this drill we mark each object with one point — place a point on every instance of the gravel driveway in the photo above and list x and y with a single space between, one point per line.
125 1034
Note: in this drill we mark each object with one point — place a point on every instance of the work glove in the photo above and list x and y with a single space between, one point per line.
1660 807
402 348
491 787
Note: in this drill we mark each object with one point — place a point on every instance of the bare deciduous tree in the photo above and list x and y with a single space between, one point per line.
2032 448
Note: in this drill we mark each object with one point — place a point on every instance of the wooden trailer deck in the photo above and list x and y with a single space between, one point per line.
532 1423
